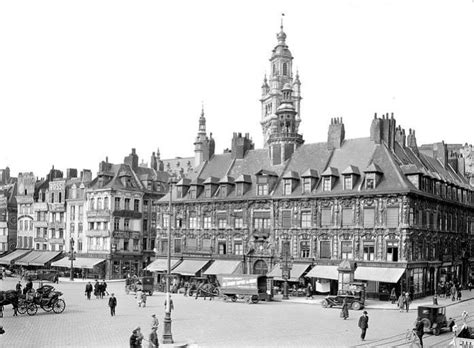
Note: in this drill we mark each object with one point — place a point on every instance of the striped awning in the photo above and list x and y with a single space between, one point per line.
79 262
7 259
38 258
379 274
297 270
161 265
190 267
224 267
324 272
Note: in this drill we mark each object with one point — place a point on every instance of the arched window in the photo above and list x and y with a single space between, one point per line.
285 69
92 203
275 70
260 267
99 203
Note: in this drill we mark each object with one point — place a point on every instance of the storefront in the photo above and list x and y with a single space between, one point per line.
38 259
9 259
296 282
326 278
85 267
380 280
159 268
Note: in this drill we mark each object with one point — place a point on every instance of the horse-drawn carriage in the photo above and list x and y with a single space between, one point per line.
206 290
45 297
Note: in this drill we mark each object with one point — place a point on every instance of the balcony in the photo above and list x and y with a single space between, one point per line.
131 214
98 233
41 206
56 225
40 224
56 241
99 214
40 240
56 207
127 234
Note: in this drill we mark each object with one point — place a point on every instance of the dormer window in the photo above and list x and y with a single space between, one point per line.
329 178
242 184
208 191
290 180
309 179
265 181
262 189
182 187
210 186
226 185
348 182
350 176
373 175
287 187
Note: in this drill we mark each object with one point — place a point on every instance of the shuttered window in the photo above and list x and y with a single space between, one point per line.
347 217
325 247
286 218
369 218
326 218
392 217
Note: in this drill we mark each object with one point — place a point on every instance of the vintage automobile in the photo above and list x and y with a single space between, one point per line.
354 294
146 284
434 319
42 274
250 287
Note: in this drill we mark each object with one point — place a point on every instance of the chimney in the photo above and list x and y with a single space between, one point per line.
86 175
336 133
376 130
212 146
71 173
400 136
153 162
411 140
132 159
440 152
240 145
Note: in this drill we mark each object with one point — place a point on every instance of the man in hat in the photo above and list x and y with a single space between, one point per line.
153 339
364 325
112 304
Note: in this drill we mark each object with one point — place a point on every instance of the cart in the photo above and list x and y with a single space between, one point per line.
146 284
250 287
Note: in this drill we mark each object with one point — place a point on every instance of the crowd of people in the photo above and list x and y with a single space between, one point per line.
451 289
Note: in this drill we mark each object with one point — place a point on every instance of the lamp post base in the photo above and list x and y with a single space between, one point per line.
285 291
167 335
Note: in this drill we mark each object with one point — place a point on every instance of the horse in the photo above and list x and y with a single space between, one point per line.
206 290
9 297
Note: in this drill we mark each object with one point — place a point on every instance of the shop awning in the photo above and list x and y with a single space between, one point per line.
161 265
224 267
38 258
296 271
324 272
79 262
190 267
379 274
7 259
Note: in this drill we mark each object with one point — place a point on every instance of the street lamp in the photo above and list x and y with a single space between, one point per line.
72 258
167 335
286 264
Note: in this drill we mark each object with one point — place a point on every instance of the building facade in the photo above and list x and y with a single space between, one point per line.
377 202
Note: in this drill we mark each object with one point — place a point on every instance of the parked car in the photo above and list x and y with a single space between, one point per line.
42 274
355 295
434 319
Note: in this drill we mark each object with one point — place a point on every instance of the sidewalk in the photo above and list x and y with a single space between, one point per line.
376 304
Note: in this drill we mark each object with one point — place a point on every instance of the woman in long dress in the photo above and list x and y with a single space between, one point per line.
345 309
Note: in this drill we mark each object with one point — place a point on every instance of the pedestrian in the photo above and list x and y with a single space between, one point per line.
28 286
96 289
459 293
154 321
56 278
469 285
435 299
88 290
153 339
393 296
419 330
453 293
345 309
18 287
309 291
144 298
171 306
401 302
104 288
133 339
407 301
464 317
139 297
139 337
112 304
186 287
364 325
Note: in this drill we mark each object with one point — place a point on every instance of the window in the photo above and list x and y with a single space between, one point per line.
38 232
286 218
326 217
72 227
370 181
261 222
92 203
262 189
79 227
106 203
60 197
117 203
125 244
177 245
369 217
208 191
127 204
207 222
325 248
73 213
327 184
239 189
346 250
193 222
369 251
304 248
191 243
348 182
221 247
37 246
238 222
126 224
347 217
287 187
99 203
145 225
79 245
306 185
136 205
164 246
305 219
81 212
221 223
392 251
52 197
238 248
285 69
116 224
206 244
392 217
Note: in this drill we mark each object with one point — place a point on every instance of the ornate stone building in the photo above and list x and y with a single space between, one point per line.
402 218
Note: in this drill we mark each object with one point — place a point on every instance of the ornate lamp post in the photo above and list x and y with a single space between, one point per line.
72 258
286 264
167 335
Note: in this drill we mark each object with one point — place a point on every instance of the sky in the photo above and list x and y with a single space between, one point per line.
82 80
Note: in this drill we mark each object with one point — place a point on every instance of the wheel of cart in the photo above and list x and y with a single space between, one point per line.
31 308
22 305
58 306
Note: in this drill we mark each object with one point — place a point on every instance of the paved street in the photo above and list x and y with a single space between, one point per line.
208 323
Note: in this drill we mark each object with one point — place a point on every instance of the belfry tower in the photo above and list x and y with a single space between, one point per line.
281 97
203 146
